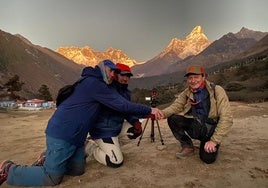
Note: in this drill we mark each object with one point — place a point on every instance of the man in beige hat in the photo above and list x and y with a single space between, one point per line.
201 111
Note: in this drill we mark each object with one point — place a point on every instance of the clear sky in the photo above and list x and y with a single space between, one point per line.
140 28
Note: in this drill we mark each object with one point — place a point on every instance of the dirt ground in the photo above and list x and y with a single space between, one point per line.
242 160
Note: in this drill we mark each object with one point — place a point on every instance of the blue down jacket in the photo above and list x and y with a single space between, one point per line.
109 122
76 116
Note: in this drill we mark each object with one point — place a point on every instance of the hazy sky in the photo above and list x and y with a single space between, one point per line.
140 28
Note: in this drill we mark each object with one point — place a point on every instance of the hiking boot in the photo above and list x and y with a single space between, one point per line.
90 145
4 169
185 152
40 160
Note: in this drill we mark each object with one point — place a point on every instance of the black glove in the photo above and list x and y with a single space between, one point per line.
136 130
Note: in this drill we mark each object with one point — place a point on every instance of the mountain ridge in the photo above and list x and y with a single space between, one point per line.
223 49
88 57
37 65
257 51
194 43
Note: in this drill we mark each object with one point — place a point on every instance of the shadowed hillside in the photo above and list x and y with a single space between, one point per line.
34 65
244 80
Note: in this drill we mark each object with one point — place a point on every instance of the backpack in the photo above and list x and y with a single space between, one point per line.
66 91
213 86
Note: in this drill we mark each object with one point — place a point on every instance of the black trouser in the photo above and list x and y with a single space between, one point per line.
180 124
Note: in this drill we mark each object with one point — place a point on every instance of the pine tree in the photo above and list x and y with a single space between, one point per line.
14 84
44 93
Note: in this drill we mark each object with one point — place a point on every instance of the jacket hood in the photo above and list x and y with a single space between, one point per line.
90 71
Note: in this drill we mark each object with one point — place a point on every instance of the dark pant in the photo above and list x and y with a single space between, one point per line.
181 125
61 158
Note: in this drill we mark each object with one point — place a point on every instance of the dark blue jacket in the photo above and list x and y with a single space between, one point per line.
109 122
76 116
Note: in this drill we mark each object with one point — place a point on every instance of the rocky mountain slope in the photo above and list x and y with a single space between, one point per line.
34 65
248 33
177 50
224 49
88 57
193 44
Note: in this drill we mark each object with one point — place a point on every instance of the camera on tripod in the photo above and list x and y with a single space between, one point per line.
153 103
153 99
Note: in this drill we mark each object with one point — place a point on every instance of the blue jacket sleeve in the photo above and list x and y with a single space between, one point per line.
109 97
131 119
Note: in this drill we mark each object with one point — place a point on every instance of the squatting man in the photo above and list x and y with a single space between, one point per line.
202 111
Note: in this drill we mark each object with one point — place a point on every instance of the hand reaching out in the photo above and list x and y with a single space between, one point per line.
157 113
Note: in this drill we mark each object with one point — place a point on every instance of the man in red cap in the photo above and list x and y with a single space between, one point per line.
201 111
104 142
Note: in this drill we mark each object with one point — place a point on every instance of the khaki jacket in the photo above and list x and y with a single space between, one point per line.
219 108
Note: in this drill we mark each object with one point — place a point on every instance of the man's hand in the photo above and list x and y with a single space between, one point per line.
157 113
210 146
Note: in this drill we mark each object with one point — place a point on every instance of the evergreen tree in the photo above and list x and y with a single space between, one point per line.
14 84
44 93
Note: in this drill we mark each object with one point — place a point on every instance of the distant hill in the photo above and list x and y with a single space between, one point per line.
247 33
259 47
34 65
244 79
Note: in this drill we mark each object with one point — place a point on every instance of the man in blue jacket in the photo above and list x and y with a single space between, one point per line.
104 142
68 127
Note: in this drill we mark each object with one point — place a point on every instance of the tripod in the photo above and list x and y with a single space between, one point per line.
152 131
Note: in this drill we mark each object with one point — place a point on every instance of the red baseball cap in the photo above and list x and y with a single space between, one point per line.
124 69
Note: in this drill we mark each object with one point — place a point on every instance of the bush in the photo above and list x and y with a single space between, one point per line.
234 87
246 96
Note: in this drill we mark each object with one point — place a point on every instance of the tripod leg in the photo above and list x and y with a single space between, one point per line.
143 132
162 141
152 130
